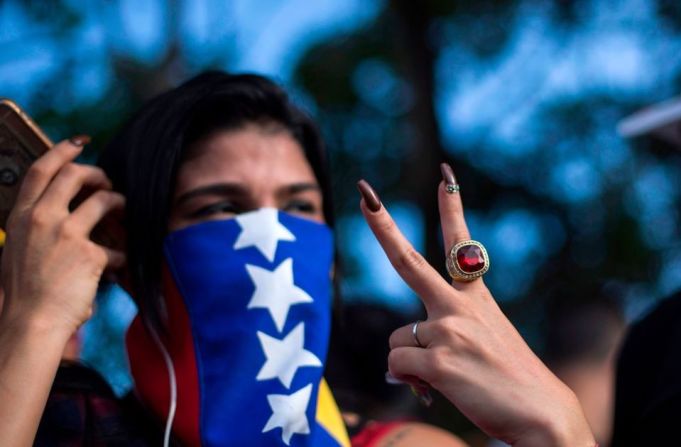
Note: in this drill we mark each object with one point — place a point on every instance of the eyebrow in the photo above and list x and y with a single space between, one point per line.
295 188
217 189
235 189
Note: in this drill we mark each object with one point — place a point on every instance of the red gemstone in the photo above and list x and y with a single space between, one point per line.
470 258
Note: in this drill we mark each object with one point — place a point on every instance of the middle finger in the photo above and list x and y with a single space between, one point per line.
454 228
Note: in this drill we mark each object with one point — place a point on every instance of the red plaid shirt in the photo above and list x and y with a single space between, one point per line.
82 410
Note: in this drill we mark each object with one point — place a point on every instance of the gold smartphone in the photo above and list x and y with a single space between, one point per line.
21 143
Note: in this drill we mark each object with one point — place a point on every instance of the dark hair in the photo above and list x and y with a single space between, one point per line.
143 159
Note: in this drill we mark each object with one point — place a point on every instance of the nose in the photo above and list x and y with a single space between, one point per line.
265 199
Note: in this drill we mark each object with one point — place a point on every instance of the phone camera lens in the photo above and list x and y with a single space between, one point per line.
8 177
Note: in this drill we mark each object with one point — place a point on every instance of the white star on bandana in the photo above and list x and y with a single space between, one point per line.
275 291
288 412
261 229
284 357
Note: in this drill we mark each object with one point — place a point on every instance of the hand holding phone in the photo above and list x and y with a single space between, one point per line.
22 142
50 267
54 211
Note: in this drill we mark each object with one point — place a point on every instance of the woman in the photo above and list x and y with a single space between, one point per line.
227 205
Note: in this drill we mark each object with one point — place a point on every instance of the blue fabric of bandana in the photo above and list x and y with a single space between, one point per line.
257 290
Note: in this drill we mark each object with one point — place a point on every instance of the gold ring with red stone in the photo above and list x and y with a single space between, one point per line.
467 261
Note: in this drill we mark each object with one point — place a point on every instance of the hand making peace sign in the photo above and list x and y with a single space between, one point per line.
467 349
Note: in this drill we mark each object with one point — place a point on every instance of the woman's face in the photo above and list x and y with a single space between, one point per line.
235 171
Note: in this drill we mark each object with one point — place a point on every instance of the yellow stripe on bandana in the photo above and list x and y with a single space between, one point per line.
329 416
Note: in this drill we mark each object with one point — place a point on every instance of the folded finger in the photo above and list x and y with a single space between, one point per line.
416 335
115 259
43 170
94 208
410 362
409 264
70 181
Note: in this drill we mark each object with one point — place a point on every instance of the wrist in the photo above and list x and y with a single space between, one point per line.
568 429
35 326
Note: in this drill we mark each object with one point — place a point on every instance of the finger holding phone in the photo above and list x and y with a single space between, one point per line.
50 266
467 349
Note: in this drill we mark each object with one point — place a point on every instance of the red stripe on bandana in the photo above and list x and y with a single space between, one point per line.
150 373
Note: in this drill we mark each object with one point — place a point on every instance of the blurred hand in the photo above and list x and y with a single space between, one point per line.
50 267
470 351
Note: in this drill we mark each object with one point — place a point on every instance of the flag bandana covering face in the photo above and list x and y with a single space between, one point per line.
248 305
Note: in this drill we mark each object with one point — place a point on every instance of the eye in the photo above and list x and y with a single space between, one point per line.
216 209
300 206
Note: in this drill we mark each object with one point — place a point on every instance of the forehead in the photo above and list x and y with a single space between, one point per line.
253 155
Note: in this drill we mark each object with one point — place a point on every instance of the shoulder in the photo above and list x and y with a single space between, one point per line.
648 388
410 434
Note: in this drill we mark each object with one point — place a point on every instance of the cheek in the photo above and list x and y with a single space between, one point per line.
316 216
319 217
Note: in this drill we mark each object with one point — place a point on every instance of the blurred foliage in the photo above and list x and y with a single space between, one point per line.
367 90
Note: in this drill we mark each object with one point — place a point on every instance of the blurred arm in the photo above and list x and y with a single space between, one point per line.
419 435
29 357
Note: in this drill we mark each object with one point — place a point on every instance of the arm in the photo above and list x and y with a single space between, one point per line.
50 273
29 357
419 435
469 350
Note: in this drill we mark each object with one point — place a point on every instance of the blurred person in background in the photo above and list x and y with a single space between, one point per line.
648 383
226 196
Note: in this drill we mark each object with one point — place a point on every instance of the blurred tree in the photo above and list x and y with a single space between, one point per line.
376 93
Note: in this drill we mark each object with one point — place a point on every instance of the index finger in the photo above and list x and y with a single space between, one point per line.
41 173
433 290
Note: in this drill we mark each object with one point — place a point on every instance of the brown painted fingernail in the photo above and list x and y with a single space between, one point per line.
80 140
448 177
447 174
369 195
